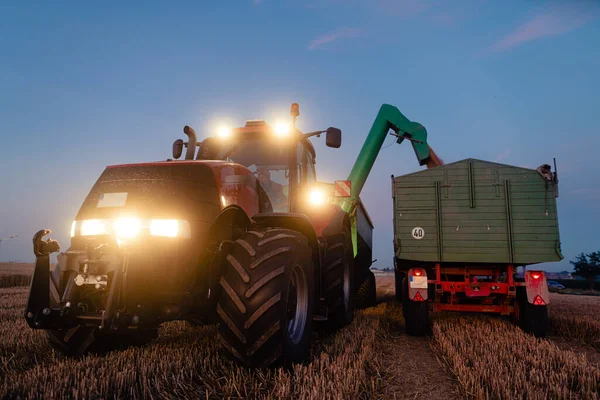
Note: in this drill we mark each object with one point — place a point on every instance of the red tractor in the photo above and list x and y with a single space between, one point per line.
239 232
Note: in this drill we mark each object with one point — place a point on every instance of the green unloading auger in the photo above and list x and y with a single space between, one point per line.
389 117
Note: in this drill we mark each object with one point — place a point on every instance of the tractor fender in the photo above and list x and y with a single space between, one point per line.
294 221
339 220
230 218
230 224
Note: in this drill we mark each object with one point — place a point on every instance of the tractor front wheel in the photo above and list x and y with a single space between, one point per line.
266 299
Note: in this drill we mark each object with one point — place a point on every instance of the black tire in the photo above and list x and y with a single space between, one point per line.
537 320
366 295
266 299
338 279
85 339
398 276
77 341
531 318
416 313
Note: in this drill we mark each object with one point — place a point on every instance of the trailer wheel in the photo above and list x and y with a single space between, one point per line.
416 313
338 279
366 296
266 299
531 318
536 321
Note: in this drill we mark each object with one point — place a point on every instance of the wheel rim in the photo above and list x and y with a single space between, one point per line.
297 305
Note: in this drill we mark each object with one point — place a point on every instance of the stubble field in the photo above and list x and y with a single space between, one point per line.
463 357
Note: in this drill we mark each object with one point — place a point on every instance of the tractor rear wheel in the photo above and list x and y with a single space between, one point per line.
266 299
398 275
416 313
338 279
366 296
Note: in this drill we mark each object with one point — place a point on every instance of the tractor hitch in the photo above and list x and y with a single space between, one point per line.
38 312
48 309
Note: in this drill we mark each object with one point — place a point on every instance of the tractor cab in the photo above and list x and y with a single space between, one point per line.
280 157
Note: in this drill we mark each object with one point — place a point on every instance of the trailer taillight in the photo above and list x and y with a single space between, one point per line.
418 272
536 275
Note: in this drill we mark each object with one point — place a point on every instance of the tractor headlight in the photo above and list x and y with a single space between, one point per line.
129 228
164 227
317 197
93 227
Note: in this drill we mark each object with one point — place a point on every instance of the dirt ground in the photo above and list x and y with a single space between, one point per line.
410 367
407 367
417 350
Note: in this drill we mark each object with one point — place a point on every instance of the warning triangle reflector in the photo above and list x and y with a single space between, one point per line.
538 301
418 297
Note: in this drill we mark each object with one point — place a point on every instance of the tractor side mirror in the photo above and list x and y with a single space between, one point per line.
333 137
177 148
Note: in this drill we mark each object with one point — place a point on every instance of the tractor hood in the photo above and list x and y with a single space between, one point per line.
160 190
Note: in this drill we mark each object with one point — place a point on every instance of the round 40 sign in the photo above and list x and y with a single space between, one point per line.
418 233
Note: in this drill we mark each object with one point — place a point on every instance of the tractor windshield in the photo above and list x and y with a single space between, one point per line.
269 162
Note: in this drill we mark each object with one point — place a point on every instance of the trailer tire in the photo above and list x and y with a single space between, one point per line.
537 320
338 279
416 313
266 299
531 318
366 295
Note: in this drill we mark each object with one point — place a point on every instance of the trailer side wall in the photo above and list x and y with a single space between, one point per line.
474 211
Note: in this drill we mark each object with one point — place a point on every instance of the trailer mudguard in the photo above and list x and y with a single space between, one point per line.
536 288
417 284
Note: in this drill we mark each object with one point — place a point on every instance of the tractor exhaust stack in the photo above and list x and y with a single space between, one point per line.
192 140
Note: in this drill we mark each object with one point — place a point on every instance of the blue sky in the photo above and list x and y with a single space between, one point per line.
84 86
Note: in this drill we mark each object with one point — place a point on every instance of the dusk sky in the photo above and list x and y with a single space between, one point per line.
88 85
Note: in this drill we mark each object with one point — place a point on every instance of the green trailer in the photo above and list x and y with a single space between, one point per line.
460 231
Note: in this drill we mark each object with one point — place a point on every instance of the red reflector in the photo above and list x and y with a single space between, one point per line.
418 272
538 301
536 276
418 297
